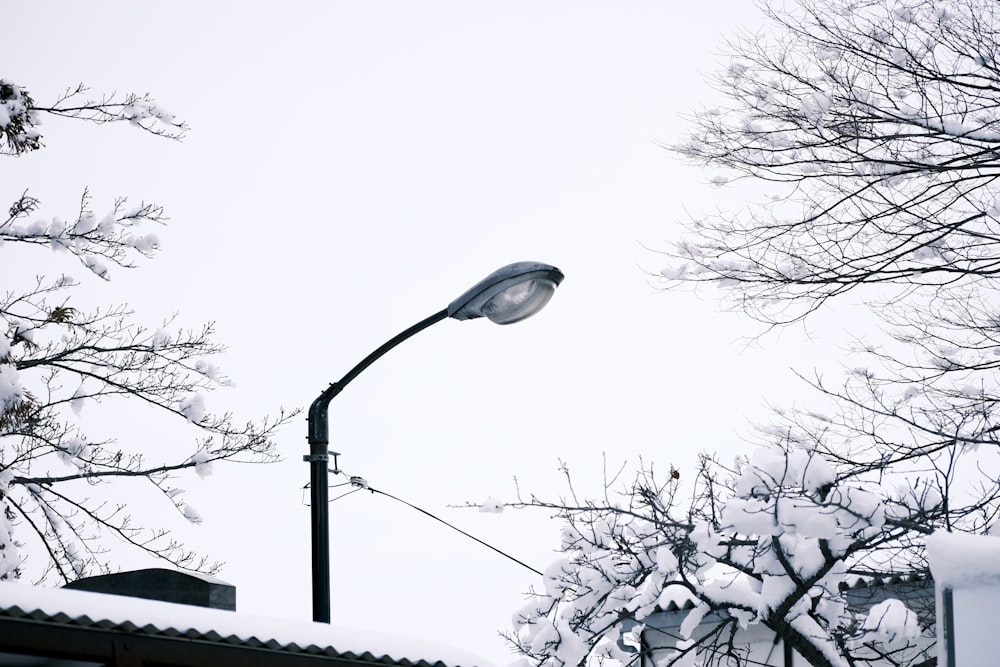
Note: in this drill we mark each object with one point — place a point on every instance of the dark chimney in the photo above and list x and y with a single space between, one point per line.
163 585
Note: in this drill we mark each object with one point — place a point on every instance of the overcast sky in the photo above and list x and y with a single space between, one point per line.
351 168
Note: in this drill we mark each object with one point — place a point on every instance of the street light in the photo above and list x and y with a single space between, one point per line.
509 294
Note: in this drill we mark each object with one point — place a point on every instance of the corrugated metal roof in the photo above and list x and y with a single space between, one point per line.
32 618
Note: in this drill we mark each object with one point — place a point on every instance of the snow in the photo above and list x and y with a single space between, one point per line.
815 106
9 557
809 558
750 516
831 610
161 338
86 224
13 106
107 227
775 589
666 561
892 624
819 638
736 70
692 620
77 400
491 506
191 514
961 560
23 330
10 386
144 244
674 272
202 464
209 370
37 228
184 618
193 408
98 267
916 495
72 450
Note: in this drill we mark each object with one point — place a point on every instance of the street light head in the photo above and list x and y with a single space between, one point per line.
510 294
519 301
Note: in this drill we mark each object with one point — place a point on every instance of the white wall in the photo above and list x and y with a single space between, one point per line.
976 626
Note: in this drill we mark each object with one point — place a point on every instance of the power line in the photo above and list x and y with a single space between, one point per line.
361 483
473 537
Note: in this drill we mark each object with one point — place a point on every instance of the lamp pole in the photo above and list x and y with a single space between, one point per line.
509 294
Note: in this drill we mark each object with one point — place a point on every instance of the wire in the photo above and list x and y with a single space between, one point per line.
305 501
455 528
361 483
344 495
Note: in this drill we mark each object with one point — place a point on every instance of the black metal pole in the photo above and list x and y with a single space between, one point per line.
319 500
318 458
948 631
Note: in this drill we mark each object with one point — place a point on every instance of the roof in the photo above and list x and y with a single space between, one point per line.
856 587
111 629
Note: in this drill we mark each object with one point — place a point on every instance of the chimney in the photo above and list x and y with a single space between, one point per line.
164 585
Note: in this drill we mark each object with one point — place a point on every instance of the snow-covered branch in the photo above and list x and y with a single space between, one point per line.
60 361
20 115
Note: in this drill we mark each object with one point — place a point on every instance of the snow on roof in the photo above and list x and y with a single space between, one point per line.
960 560
152 617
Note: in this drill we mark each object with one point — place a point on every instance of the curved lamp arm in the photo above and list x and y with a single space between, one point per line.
319 430
509 294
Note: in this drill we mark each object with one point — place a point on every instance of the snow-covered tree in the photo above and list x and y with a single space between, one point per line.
65 482
775 540
871 130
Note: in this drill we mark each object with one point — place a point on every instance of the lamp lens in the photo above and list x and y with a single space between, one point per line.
519 301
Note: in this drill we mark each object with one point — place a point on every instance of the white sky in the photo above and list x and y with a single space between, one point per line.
354 166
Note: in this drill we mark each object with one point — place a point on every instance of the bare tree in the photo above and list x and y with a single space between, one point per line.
876 125
62 487
872 129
